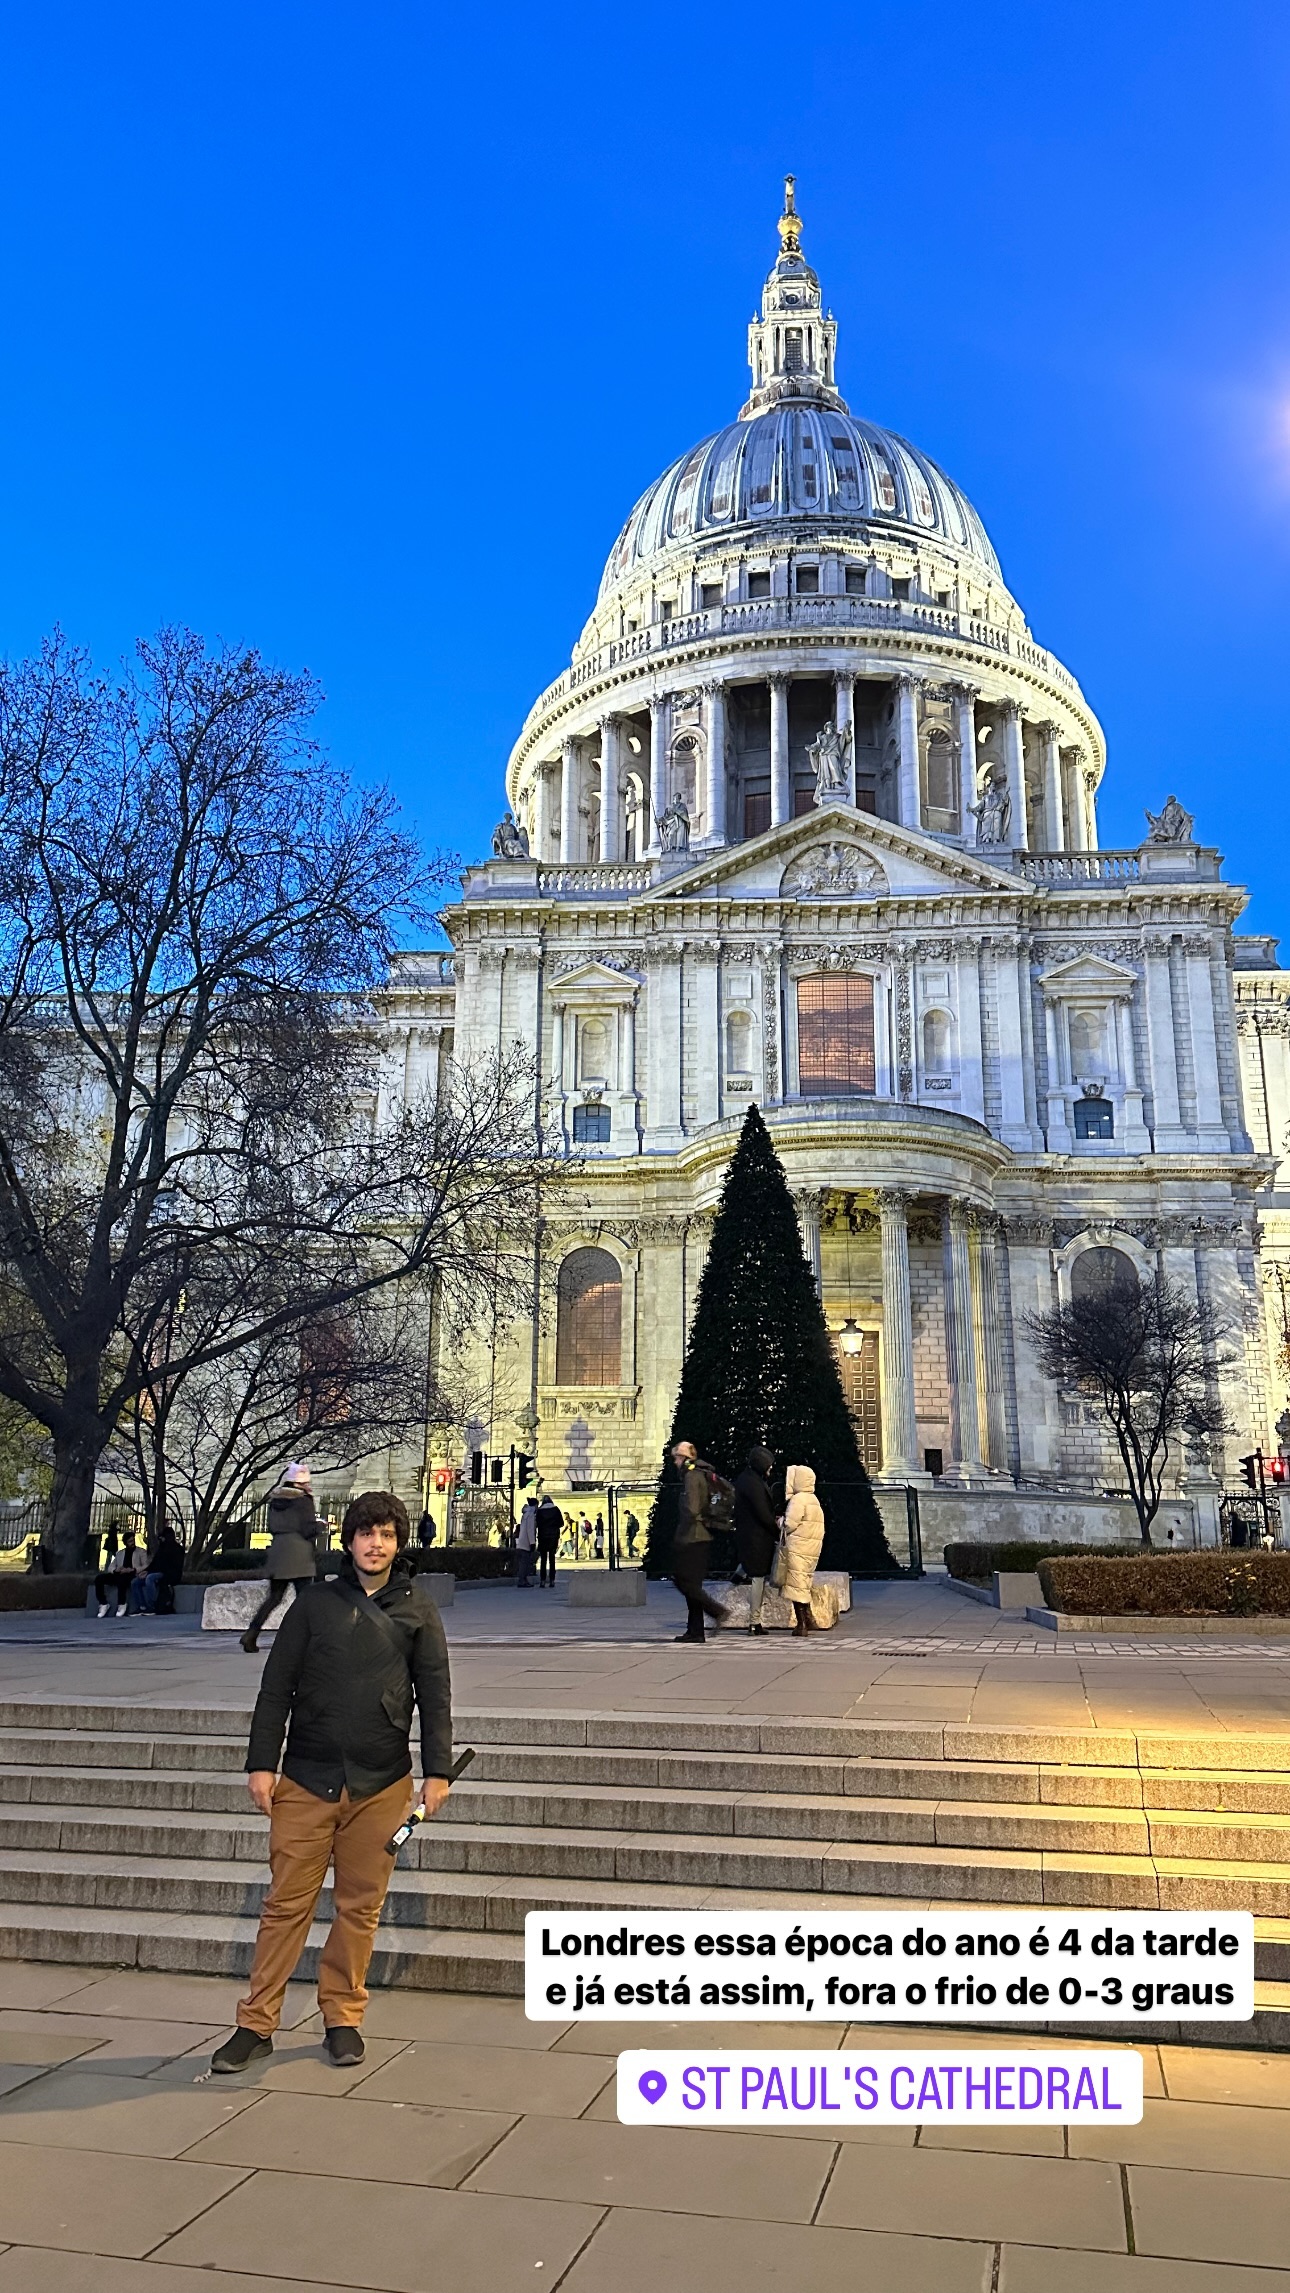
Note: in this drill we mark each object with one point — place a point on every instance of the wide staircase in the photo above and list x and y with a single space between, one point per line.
126 1836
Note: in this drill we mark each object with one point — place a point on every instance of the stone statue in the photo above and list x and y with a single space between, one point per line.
993 814
829 755
510 841
1171 825
674 827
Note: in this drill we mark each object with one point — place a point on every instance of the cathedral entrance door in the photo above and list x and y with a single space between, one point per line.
861 1382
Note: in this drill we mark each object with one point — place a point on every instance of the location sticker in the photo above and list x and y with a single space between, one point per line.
653 2085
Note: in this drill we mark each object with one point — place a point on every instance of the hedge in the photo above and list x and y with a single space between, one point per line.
43 1591
1170 1584
976 1564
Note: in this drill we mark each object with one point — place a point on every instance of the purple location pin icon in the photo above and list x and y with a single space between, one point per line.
653 2085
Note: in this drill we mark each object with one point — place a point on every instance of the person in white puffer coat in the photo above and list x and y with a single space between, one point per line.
803 1540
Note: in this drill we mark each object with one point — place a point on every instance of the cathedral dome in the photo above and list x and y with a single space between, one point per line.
798 461
796 452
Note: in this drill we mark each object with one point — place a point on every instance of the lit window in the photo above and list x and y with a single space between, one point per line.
591 1126
835 1037
589 1317
1094 1119
808 580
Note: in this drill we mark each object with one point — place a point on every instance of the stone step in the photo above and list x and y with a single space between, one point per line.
62 1747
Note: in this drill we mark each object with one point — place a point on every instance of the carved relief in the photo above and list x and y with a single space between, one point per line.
834 871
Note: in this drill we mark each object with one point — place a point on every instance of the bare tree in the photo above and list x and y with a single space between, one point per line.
1147 1353
196 915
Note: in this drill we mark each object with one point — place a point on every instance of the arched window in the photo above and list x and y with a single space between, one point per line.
835 1037
1101 1275
739 1043
938 1058
1088 1043
593 1051
589 1319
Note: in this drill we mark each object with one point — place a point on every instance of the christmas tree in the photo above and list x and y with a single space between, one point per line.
760 1366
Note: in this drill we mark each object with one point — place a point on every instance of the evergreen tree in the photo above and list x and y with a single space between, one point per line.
760 1366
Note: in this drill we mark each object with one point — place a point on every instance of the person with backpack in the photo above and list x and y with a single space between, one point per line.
756 1532
702 1500
355 1656
550 1521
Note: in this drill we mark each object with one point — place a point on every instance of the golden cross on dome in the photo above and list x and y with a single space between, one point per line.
790 222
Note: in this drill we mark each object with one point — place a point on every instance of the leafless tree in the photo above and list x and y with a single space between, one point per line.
1148 1354
196 918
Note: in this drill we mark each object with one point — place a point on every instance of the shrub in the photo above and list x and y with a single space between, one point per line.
43 1591
1169 1584
976 1564
470 1564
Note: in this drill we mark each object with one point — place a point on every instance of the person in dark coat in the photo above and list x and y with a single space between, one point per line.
354 1655
692 1545
293 1549
755 1528
550 1521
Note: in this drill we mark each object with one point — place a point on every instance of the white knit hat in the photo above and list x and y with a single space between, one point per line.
298 1476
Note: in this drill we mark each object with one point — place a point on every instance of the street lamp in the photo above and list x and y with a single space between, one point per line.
851 1336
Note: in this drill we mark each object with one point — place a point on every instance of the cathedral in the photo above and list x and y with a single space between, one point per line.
811 820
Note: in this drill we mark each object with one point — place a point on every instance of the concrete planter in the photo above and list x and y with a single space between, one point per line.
617 1588
1154 1627
776 1613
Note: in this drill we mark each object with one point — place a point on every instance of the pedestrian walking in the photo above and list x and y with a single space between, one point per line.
692 1545
803 1540
633 1528
526 1544
293 1531
755 1528
354 1655
598 1546
107 1583
549 1522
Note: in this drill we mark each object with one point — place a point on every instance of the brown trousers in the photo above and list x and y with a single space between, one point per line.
305 1835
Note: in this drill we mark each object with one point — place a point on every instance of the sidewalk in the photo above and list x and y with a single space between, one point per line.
907 1651
476 2153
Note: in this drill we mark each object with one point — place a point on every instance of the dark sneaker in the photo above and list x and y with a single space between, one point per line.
240 2051
345 2046
695 1639
250 1643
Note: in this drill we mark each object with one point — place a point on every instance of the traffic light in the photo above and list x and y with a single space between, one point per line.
1278 1469
523 1469
444 1477
1250 1471
476 1466
496 1468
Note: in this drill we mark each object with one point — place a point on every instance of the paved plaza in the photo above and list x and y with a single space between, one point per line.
474 2152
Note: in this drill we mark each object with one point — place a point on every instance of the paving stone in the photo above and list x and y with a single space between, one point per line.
79 2109
383 2235
25 2269
975 2194
1226 2074
1210 2217
367 2141
38 1986
1042 2269
454 2020
466 2077
83 2199
645 2252
1215 2137
182 1998
658 2167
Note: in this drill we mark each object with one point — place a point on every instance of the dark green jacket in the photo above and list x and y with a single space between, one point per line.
340 1687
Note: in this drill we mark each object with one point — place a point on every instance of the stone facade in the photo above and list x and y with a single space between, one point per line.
811 820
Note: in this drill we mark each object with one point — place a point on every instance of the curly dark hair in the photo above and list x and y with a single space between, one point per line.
369 1511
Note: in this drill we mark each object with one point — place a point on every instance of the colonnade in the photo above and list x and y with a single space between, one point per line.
973 1342
1065 809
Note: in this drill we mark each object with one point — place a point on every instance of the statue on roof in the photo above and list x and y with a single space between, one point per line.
1171 825
829 754
510 840
993 812
674 826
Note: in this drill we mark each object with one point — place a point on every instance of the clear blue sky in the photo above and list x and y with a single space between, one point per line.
355 332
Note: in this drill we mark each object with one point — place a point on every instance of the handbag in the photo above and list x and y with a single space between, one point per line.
779 1565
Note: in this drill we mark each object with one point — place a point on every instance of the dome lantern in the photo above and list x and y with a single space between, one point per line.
792 346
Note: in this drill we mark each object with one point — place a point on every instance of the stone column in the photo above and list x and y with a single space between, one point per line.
899 1427
1210 1127
569 801
610 804
714 694
781 794
1075 808
1090 809
657 794
540 835
807 1201
967 1465
1014 761
1167 1131
1054 836
844 719
909 806
965 719
984 1243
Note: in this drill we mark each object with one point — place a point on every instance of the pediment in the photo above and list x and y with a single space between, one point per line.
1094 976
836 854
593 982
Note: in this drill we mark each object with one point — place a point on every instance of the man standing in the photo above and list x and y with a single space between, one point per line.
293 1531
350 1657
692 1546
756 1529
526 1545
550 1521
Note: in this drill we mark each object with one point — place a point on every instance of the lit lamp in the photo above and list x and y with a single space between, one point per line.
851 1336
